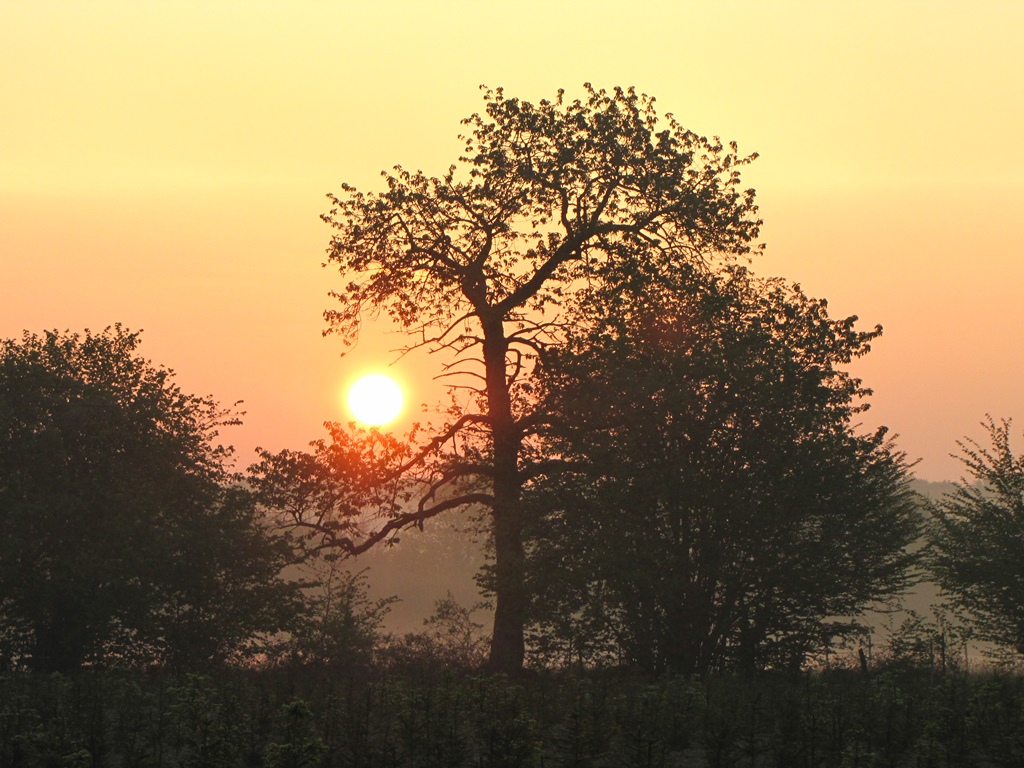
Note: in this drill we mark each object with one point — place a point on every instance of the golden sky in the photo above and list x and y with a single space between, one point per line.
164 165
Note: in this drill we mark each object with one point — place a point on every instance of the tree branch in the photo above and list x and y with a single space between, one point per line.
333 541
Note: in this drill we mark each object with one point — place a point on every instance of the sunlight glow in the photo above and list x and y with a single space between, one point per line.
375 399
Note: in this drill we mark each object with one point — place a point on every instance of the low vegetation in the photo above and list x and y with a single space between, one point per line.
839 717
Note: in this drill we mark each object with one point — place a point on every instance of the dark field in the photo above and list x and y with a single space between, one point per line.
308 717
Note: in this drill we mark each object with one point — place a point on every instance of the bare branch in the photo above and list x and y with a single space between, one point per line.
331 540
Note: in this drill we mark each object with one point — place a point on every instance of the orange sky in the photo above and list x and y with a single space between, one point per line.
164 164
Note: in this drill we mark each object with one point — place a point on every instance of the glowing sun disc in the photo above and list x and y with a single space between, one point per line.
375 399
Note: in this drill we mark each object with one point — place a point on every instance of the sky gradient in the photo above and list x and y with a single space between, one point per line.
164 165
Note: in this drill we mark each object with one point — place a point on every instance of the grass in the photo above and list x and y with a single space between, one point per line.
277 718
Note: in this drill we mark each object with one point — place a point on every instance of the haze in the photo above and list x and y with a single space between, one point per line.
164 165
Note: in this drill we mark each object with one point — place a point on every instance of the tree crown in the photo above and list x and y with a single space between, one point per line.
545 195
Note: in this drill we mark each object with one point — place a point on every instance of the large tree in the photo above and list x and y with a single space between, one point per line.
124 535
478 262
977 539
716 507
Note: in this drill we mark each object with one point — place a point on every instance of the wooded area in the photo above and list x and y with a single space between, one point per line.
685 526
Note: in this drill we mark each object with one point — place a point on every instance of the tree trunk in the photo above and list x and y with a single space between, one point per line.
59 638
507 643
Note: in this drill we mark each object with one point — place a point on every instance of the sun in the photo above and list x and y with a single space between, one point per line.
375 399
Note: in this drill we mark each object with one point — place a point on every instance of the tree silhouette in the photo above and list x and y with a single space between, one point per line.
977 539
720 510
478 263
123 534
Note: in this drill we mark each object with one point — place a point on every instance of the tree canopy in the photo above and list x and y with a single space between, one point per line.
715 505
577 270
977 539
479 262
124 534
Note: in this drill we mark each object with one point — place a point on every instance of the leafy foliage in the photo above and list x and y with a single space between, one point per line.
547 193
710 504
977 540
478 263
328 497
450 640
833 718
124 536
339 629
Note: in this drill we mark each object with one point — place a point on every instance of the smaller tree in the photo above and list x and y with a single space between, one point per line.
977 539
713 505
341 626
124 534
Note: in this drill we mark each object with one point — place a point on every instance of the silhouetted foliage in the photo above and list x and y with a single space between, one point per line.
478 262
915 641
450 640
835 718
124 536
977 540
714 506
339 629
327 496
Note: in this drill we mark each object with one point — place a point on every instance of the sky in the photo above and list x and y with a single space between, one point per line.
165 164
